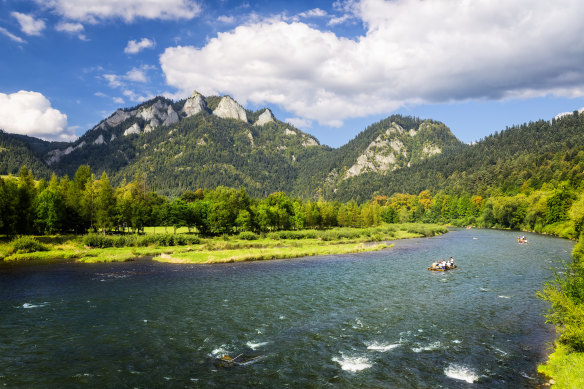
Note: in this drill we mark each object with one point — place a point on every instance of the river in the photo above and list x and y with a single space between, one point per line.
368 320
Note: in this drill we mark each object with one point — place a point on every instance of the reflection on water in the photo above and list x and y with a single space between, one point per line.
364 320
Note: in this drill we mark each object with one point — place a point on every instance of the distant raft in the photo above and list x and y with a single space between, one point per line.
522 239
439 268
240 360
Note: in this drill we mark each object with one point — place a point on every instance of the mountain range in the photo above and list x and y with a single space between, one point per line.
205 142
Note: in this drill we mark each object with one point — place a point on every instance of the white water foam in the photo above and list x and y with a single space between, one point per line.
352 363
430 347
30 306
504 297
381 347
221 350
255 346
462 373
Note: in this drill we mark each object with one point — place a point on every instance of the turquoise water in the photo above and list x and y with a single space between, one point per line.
369 320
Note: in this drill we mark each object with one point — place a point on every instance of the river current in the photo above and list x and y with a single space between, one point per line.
368 320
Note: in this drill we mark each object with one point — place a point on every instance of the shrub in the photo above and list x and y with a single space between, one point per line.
247 235
27 244
98 241
566 295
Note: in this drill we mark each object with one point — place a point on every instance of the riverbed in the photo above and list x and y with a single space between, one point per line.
377 319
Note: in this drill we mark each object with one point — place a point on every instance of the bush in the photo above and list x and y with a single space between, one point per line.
100 241
248 235
27 244
566 295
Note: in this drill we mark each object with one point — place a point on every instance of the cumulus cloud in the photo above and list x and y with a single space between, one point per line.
93 11
412 52
28 24
134 47
10 35
30 113
72 28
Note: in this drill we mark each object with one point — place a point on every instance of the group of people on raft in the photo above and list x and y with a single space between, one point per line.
522 239
444 264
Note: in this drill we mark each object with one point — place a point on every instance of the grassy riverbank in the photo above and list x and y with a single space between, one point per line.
564 367
566 295
189 248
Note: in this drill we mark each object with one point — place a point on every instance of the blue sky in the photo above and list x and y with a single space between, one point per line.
329 67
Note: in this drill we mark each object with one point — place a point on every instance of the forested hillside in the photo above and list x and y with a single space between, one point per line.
19 150
204 151
519 158
392 144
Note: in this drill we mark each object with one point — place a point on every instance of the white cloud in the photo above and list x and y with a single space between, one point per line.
339 19
299 122
93 11
72 28
137 75
313 13
412 52
11 35
30 113
226 19
133 75
113 80
28 24
134 47
561 115
135 97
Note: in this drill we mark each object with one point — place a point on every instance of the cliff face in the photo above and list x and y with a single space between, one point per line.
397 147
230 109
266 117
194 105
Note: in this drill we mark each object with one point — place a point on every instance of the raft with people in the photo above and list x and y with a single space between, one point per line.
522 239
240 360
443 265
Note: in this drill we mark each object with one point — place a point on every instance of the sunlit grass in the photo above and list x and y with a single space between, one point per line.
564 368
281 244
265 253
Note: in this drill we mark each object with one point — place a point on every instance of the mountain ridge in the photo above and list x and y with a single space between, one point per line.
211 141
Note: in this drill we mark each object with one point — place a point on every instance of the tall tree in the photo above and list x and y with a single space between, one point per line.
26 196
50 209
105 204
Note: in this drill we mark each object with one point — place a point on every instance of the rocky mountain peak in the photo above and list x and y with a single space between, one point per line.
266 117
194 104
230 109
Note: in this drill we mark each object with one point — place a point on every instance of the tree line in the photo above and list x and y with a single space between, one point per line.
85 203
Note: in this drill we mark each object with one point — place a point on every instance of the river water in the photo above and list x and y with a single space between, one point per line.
368 320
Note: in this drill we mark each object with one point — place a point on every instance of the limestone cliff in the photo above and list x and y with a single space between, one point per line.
230 109
194 105
266 117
